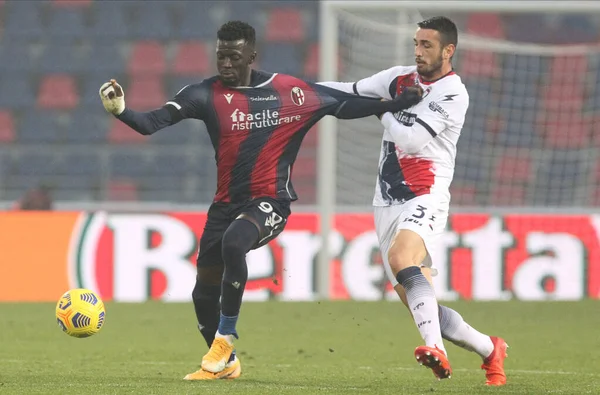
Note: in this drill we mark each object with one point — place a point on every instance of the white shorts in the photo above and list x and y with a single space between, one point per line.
425 215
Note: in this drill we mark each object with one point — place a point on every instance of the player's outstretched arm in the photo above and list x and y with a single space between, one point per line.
146 123
360 107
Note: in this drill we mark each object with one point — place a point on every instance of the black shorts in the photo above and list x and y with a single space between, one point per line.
268 214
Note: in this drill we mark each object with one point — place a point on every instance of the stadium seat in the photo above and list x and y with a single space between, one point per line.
311 62
58 92
66 24
285 25
122 190
576 29
146 93
196 23
39 165
61 58
179 134
16 57
88 126
565 130
22 20
86 164
168 164
7 127
479 63
43 128
464 194
16 92
562 178
109 21
147 58
191 59
152 21
119 133
514 166
71 3
105 58
485 25
130 163
508 195
282 58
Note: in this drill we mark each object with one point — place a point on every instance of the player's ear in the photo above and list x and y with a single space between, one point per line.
449 51
252 58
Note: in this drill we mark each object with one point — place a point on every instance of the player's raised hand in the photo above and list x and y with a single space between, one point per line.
113 97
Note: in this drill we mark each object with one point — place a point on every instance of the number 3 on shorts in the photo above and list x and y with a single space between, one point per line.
421 212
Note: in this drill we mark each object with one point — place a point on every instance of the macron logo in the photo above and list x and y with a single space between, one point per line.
228 97
449 97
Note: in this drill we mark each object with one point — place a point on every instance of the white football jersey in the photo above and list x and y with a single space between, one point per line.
418 149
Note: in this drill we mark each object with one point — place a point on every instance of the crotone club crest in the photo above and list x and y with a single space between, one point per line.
297 96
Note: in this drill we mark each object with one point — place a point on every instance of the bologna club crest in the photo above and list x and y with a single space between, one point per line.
297 96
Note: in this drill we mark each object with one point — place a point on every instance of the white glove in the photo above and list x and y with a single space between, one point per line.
113 97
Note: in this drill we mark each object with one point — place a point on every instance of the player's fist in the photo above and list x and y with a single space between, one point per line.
113 97
412 95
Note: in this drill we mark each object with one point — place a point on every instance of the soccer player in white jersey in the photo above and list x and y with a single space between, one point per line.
412 197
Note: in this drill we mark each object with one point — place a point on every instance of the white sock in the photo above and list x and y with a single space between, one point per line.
423 305
228 338
455 329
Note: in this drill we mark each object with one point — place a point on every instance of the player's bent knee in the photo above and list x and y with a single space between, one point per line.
408 249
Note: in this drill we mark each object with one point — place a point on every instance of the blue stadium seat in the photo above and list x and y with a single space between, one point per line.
88 126
22 20
16 57
282 58
110 20
561 179
61 58
518 133
66 24
40 127
152 21
86 164
105 58
195 22
163 188
16 91
166 164
131 163
39 164
180 133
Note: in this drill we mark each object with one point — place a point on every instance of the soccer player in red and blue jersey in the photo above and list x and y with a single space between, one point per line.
256 121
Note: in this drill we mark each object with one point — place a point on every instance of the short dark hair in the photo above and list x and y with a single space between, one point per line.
237 30
444 26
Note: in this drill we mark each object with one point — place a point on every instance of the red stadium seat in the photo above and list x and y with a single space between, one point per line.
58 92
122 190
486 25
306 163
311 64
7 127
514 167
147 58
508 195
191 59
479 63
464 194
146 93
565 129
285 25
120 133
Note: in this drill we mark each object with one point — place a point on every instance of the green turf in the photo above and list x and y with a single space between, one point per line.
297 348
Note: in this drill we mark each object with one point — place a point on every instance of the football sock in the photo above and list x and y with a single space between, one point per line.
423 305
456 330
238 239
227 328
207 307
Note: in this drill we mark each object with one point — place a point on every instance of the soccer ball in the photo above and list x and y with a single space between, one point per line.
80 313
